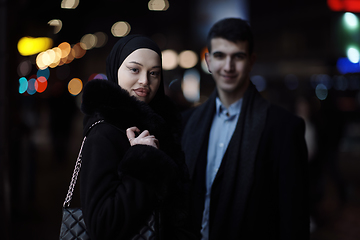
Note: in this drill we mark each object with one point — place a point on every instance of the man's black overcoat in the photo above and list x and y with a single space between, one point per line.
261 188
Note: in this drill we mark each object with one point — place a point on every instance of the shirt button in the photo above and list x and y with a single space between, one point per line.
221 145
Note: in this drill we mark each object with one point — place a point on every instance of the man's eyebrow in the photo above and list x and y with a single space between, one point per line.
233 54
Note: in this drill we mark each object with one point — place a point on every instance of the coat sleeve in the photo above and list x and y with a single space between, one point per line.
114 204
293 182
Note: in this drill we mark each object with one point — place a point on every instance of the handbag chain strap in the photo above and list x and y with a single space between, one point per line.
77 170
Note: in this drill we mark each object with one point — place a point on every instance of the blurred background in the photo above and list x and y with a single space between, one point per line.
307 62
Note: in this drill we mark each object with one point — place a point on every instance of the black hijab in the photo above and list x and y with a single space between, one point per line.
123 48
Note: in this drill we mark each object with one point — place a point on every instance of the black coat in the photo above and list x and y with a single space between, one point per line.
120 185
261 188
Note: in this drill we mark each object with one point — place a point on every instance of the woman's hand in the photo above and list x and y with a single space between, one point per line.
144 138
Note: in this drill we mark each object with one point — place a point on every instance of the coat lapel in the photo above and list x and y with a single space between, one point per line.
239 163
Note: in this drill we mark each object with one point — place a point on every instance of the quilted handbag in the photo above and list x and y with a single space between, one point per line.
73 226
72 223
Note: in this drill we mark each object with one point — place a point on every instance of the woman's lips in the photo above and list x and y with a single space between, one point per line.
142 92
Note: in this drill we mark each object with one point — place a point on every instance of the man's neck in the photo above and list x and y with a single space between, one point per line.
228 98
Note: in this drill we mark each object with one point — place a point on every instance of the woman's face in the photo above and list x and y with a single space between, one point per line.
140 74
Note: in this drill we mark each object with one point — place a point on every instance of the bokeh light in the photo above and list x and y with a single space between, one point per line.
187 59
69 4
28 46
75 86
55 62
324 79
169 59
101 76
344 66
97 76
321 91
88 41
158 5
340 83
101 39
77 51
259 82
31 86
40 84
23 85
353 54
57 24
191 85
351 20
92 76
65 49
24 68
120 29
43 73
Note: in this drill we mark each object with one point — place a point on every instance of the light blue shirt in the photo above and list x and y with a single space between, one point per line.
222 129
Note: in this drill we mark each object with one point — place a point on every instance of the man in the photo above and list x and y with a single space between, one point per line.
247 158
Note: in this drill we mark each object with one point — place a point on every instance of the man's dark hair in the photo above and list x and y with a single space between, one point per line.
233 30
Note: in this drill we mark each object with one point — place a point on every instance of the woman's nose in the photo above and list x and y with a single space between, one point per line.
144 79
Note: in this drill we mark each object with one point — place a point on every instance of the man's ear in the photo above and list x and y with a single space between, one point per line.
207 60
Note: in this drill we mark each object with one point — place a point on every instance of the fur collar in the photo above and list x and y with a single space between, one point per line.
114 105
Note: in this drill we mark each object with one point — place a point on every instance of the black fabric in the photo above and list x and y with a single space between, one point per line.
121 186
260 190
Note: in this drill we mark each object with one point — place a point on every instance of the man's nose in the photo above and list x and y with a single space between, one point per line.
229 64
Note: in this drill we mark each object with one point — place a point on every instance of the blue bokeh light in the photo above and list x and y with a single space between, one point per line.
23 85
31 86
345 66
43 73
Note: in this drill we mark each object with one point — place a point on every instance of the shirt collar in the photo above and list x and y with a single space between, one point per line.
233 109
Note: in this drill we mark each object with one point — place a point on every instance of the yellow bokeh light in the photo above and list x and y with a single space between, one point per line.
69 4
29 46
169 59
188 59
57 24
120 29
75 86
158 5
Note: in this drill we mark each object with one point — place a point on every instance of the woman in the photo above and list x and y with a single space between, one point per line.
127 179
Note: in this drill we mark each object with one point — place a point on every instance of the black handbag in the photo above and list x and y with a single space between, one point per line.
72 224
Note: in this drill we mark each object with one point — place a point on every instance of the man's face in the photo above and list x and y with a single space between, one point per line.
230 65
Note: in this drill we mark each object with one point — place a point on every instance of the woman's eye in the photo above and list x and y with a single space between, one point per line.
134 70
155 74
